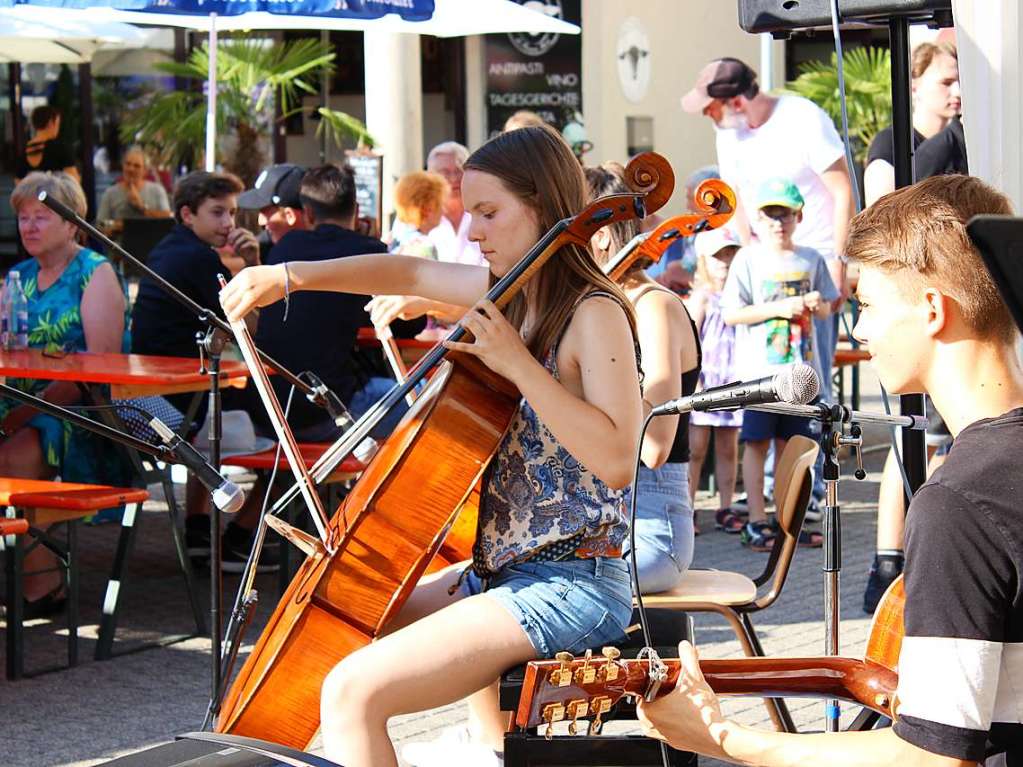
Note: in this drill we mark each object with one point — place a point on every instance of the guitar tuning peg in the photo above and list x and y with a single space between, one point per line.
562 677
587 674
577 709
612 654
599 706
552 712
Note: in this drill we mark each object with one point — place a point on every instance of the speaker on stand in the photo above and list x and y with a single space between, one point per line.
780 17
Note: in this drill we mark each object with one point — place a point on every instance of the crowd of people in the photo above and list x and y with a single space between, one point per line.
590 356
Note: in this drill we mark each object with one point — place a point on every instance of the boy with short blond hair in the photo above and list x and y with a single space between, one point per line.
774 291
932 321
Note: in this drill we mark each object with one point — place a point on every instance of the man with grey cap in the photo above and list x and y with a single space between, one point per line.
760 137
276 196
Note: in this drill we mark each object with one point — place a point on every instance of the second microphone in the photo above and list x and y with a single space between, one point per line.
795 385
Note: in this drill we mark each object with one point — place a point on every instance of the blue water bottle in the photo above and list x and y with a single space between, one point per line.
17 327
5 315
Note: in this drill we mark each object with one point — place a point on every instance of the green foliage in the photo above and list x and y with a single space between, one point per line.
252 77
868 92
340 125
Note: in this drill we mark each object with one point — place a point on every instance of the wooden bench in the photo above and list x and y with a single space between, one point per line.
42 503
849 357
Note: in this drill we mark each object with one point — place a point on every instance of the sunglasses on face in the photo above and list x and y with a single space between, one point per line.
778 213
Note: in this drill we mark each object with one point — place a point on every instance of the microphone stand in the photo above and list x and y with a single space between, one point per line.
160 452
834 437
211 343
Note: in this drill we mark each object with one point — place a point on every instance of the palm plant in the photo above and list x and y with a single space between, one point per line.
252 77
868 72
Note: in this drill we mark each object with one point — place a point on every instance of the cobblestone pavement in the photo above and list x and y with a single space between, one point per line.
100 710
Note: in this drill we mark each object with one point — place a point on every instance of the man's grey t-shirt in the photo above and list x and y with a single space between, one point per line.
114 203
759 276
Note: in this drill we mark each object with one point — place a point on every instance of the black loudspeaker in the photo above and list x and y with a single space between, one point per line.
780 16
191 753
213 749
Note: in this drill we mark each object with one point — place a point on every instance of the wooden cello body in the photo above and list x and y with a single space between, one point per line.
394 520
390 526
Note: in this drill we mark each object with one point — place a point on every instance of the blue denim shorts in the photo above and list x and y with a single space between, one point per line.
759 425
571 605
664 527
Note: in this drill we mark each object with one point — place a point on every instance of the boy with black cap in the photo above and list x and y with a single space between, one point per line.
276 196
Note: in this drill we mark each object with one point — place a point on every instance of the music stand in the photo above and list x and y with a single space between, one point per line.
1000 242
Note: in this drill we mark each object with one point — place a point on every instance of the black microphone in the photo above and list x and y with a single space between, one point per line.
335 407
795 385
227 496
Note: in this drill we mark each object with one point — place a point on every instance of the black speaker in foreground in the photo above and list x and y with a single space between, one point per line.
780 16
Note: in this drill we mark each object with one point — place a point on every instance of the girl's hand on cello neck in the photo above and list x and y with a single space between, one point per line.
497 344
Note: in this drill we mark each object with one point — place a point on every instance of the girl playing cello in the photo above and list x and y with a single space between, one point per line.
671 367
547 573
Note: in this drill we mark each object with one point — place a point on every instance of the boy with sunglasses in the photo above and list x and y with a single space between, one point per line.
774 291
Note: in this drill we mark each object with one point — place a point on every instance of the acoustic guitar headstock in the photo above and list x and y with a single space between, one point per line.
573 689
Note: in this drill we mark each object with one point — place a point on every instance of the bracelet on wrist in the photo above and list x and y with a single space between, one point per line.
287 290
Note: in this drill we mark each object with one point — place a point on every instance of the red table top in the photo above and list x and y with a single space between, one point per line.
310 452
42 493
850 356
88 367
368 337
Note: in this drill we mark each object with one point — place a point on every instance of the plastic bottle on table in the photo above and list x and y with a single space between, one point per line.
5 316
17 327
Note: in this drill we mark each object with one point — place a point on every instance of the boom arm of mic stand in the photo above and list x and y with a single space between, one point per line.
203 314
842 414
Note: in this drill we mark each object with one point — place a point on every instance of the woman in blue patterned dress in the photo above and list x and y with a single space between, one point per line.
75 304
547 573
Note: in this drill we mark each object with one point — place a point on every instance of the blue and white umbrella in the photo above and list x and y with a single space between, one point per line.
214 15
26 34
443 18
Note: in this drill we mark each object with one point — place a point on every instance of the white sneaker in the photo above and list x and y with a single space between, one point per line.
454 747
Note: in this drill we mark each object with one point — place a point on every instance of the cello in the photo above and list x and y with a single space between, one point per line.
715 203
373 550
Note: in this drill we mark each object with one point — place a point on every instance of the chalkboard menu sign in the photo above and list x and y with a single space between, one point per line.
541 73
368 168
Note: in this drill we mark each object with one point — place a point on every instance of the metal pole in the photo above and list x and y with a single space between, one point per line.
85 104
211 98
914 452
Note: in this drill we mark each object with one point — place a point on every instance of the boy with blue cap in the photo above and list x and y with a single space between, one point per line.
774 290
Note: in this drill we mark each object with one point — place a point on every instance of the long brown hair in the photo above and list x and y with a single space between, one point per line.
537 166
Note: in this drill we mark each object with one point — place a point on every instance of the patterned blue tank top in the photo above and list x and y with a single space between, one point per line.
537 495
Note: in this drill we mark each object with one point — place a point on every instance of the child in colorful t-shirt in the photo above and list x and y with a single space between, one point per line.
774 290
